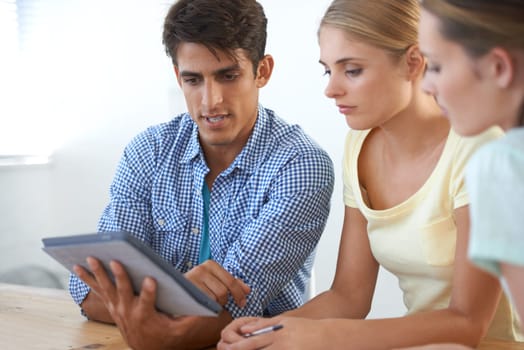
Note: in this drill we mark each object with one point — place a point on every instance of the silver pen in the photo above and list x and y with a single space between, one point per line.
264 330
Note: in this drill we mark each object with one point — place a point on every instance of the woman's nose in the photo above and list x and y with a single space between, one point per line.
333 88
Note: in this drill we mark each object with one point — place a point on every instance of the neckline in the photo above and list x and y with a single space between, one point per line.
405 204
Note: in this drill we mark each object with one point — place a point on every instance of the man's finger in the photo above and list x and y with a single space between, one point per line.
107 286
86 276
147 297
216 289
123 283
236 287
238 291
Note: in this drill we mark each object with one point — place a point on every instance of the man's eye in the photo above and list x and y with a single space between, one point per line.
230 77
191 81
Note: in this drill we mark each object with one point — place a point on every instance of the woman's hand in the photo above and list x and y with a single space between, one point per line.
446 346
296 333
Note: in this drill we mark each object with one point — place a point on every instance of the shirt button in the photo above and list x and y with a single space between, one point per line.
161 222
189 264
195 230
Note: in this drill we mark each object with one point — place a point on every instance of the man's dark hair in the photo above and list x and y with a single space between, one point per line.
220 25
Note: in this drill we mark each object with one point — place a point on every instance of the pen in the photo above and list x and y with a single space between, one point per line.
264 330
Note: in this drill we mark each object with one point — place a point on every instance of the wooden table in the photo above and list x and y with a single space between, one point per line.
500 345
47 319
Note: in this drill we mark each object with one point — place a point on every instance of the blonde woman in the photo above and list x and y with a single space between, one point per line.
406 207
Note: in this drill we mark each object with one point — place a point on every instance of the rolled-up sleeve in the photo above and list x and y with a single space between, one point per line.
273 254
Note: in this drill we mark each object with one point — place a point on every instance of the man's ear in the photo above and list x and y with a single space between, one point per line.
415 62
264 70
501 66
177 73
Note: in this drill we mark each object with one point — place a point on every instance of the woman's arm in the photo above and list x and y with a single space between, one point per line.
474 299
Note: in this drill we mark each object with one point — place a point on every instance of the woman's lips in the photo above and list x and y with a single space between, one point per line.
346 109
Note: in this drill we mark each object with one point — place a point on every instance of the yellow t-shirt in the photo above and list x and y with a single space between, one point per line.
415 240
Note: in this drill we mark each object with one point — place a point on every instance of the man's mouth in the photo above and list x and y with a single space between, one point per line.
215 119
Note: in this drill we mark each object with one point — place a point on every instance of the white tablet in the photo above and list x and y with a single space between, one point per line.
176 295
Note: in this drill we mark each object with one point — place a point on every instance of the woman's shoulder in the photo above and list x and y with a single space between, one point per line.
514 139
490 134
465 146
503 153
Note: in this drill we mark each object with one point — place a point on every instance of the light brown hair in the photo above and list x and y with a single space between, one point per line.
480 25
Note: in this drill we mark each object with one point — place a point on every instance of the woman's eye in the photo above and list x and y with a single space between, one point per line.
354 72
327 72
433 68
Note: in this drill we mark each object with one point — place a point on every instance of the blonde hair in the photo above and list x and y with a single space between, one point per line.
479 25
388 24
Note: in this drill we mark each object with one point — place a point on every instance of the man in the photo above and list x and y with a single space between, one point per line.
229 193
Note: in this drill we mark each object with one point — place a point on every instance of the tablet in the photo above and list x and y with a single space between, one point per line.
176 295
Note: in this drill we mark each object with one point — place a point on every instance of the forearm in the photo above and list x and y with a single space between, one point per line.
330 304
423 328
95 309
200 332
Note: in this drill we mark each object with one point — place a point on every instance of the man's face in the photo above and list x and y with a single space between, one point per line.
221 95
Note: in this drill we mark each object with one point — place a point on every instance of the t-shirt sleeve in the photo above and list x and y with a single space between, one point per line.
347 171
495 182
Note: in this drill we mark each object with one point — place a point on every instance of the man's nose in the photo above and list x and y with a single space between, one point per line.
211 95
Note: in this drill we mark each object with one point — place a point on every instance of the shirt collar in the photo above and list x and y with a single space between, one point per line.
193 149
256 144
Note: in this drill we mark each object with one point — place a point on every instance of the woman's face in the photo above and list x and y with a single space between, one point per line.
368 87
458 81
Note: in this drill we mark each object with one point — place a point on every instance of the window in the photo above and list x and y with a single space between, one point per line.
76 67
25 137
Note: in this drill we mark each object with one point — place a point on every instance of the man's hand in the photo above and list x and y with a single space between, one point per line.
218 283
141 325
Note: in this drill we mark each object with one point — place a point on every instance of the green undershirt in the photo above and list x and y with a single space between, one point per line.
205 249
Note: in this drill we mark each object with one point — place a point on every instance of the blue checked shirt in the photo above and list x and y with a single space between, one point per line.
267 210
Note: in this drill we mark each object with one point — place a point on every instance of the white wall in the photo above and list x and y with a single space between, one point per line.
102 76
